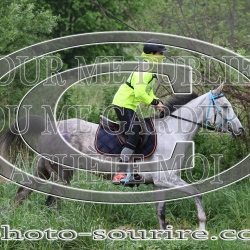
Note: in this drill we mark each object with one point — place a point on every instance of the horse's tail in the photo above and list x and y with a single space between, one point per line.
12 137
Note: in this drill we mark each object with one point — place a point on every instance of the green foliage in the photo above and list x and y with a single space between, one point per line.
219 22
78 17
22 25
88 102
231 151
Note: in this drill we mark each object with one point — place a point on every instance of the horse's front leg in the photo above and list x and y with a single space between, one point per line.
201 213
160 207
170 180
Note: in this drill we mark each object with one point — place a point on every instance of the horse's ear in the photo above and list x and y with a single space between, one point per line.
218 90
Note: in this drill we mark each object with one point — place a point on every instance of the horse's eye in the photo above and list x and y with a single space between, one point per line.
225 105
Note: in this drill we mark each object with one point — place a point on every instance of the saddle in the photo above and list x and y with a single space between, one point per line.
110 139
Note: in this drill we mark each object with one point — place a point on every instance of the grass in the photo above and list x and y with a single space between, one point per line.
226 209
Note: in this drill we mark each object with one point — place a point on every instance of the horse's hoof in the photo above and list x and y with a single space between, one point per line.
49 201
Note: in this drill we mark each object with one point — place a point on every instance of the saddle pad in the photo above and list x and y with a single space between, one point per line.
106 143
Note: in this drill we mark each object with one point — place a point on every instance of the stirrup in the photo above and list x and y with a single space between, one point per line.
128 178
132 180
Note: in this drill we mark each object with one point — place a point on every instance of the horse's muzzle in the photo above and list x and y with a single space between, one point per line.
241 130
238 133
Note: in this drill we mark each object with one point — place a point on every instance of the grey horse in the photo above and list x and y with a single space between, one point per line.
210 108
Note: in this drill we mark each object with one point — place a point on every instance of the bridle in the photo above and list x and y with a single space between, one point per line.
217 110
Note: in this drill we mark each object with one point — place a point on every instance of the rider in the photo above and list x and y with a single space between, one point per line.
137 89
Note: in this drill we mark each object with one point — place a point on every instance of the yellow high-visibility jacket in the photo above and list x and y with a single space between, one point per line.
138 88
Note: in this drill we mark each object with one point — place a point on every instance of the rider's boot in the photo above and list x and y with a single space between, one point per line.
124 176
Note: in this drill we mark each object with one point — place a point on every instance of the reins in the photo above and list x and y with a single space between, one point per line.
197 123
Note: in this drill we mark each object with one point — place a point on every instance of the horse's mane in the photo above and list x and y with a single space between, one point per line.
178 100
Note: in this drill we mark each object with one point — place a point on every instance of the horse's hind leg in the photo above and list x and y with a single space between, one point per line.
40 172
22 194
60 174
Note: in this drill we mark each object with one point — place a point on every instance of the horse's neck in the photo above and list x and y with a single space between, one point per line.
184 130
192 110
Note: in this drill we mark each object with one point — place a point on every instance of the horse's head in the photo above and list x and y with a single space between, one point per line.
220 114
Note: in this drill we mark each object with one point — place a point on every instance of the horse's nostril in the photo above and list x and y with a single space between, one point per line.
241 130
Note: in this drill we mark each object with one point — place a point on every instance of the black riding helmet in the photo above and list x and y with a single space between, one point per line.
154 45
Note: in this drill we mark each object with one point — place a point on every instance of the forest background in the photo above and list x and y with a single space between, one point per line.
224 23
